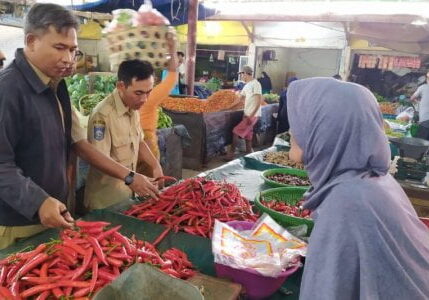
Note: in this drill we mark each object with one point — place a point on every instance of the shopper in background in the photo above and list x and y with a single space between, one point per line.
149 111
39 129
252 96
2 60
182 73
114 129
265 82
282 118
422 96
367 241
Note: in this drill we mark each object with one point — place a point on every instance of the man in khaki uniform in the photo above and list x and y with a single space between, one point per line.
114 129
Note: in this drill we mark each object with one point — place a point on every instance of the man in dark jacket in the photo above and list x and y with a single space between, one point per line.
38 129
282 119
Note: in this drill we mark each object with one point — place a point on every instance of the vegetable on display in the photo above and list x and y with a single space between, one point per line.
289 179
282 158
164 120
193 205
287 209
81 262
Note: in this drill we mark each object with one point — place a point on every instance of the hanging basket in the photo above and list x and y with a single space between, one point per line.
143 42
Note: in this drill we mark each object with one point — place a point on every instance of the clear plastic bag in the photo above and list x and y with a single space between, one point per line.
267 248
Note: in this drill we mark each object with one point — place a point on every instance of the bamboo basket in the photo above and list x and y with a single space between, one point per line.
143 42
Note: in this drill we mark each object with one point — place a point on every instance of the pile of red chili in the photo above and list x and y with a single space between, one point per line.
293 210
193 205
81 262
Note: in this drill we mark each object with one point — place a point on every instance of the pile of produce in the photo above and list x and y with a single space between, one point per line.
193 205
289 179
81 262
284 208
87 91
271 98
213 84
391 133
220 100
388 108
282 158
164 120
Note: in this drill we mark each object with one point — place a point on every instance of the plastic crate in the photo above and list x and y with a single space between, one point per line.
289 171
290 195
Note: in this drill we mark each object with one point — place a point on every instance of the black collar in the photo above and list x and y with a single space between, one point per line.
28 72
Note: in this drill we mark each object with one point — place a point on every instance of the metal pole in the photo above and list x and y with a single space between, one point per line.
191 52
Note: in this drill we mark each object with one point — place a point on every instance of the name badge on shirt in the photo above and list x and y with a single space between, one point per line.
99 130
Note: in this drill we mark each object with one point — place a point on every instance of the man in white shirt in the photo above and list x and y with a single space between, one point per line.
181 69
422 94
252 95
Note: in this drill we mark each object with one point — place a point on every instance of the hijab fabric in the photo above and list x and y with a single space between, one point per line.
367 242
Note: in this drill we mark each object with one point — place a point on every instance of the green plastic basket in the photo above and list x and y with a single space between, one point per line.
295 172
290 195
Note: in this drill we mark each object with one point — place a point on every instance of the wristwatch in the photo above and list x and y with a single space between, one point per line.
129 178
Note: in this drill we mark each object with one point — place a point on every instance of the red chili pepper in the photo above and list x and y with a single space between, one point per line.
161 236
44 270
38 289
44 295
97 249
108 233
41 280
3 273
5 293
68 291
14 289
106 275
58 293
86 224
114 262
86 260
81 292
94 275
122 240
71 244
37 260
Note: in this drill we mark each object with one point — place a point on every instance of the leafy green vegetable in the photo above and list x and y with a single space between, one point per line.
213 84
164 120
85 94
271 98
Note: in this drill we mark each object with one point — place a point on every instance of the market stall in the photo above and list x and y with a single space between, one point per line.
211 128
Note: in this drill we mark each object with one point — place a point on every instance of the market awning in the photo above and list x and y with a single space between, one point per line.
401 26
175 10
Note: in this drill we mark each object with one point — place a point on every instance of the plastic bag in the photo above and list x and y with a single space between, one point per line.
149 16
267 248
406 115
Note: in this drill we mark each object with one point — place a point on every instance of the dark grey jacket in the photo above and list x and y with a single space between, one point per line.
33 144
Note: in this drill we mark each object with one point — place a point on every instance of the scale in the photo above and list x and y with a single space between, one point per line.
413 163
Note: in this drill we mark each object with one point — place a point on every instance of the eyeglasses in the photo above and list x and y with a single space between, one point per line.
78 55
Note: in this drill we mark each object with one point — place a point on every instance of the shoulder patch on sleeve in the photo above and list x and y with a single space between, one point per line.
99 130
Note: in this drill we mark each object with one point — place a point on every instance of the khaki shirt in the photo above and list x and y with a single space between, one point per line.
114 130
77 132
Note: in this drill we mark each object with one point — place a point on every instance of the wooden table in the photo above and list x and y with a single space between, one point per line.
419 197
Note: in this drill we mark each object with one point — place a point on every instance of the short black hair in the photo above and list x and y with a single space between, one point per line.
180 53
42 15
337 76
135 68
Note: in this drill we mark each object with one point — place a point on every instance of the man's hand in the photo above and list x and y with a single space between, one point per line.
172 42
142 186
157 173
51 214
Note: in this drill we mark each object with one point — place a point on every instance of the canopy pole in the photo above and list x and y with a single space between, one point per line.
191 52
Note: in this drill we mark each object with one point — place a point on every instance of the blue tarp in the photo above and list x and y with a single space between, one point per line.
174 10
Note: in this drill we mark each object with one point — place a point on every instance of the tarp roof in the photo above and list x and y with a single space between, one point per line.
401 26
175 10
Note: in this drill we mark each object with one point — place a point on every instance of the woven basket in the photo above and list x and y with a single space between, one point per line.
143 42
